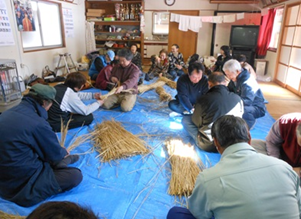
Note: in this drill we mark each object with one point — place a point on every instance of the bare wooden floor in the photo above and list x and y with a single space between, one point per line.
281 100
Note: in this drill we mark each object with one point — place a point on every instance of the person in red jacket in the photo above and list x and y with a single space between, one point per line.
283 140
103 78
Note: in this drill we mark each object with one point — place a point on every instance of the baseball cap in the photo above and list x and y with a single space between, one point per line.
111 54
45 91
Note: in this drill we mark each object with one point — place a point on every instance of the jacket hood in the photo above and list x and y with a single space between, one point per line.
36 107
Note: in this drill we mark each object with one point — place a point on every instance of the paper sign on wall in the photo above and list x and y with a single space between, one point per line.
68 22
6 35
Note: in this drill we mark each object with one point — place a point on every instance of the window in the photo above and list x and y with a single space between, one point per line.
160 23
276 29
47 32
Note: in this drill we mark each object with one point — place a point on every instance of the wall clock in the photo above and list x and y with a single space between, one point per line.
169 2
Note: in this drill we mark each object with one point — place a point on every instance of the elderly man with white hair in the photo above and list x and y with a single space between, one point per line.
248 89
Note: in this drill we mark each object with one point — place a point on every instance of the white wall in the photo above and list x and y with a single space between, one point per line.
36 61
205 8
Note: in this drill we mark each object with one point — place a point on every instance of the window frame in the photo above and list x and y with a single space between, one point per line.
154 24
61 20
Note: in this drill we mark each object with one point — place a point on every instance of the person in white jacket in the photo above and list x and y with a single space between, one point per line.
69 103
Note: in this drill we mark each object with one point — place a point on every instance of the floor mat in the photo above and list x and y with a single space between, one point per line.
135 187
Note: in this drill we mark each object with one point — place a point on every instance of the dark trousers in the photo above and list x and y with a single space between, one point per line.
176 72
68 177
179 213
76 121
200 138
251 113
176 106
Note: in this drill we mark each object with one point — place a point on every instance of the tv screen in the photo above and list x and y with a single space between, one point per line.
244 36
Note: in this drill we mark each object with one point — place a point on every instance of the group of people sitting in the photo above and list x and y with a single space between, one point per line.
217 113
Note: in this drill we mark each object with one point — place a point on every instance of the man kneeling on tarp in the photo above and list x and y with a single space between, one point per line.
33 165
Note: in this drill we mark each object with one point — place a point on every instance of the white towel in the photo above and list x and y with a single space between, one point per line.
184 22
240 16
229 18
174 17
217 19
207 19
195 23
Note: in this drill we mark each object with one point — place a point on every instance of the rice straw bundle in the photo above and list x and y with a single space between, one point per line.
4 215
169 82
146 87
164 96
113 142
64 131
103 97
184 168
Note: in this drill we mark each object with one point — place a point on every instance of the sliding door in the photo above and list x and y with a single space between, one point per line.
288 71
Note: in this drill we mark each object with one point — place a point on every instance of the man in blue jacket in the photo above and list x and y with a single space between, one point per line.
190 87
33 165
99 63
248 89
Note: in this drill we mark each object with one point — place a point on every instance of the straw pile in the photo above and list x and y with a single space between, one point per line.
164 96
146 87
113 142
184 168
4 215
168 82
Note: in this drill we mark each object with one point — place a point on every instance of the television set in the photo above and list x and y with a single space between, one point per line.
244 36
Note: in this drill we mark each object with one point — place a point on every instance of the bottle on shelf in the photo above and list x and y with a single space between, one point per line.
121 11
117 11
132 14
126 12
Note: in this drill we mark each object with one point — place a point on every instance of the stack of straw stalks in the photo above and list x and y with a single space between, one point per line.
164 96
4 215
184 168
168 82
113 142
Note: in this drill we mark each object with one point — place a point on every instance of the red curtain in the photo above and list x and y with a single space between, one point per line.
265 32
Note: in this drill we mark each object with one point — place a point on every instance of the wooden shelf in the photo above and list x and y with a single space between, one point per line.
114 2
105 47
134 23
117 40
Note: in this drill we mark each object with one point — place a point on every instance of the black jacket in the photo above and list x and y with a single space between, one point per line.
217 102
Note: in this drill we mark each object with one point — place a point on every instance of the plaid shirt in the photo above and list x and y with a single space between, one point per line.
175 60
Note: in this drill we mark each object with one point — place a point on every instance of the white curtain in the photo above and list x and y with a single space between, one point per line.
90 37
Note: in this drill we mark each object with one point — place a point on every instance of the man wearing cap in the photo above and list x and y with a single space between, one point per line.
33 165
99 63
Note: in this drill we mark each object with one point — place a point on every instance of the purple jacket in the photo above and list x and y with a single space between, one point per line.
128 76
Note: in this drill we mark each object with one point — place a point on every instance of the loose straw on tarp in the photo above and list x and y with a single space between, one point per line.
4 215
